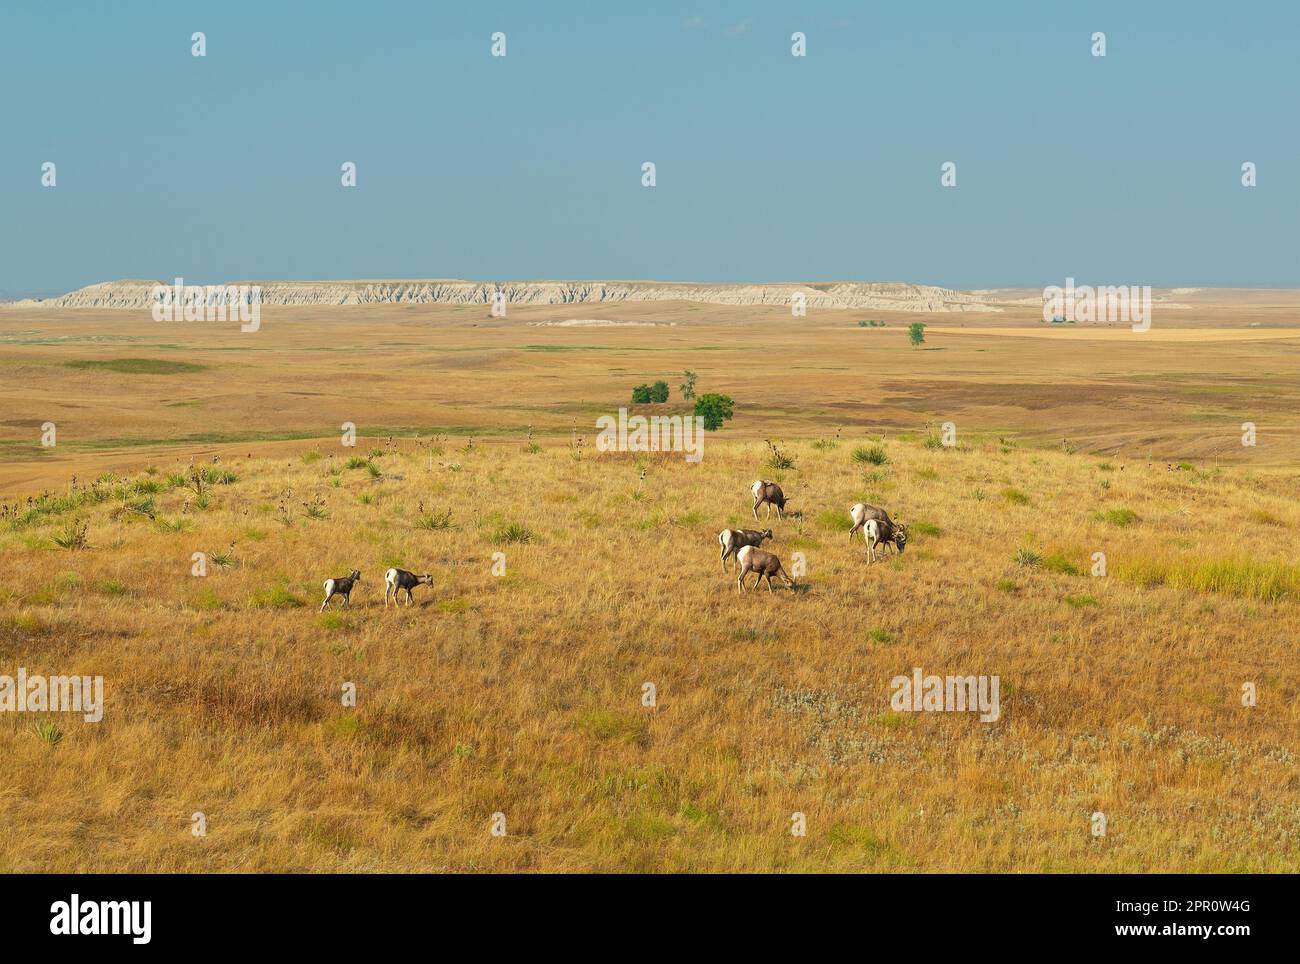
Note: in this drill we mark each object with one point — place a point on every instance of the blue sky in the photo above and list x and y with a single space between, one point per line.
1123 169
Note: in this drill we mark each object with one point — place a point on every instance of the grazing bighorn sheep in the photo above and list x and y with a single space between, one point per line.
888 532
399 580
769 494
733 540
877 532
341 586
763 563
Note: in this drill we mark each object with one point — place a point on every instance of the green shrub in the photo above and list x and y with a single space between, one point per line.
511 534
714 409
1117 517
870 454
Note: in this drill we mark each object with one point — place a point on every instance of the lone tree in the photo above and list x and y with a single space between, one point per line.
659 392
688 386
715 410
641 395
916 332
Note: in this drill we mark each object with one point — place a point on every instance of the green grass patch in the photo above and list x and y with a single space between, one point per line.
1264 580
870 455
206 600
1117 517
137 366
511 534
277 597
835 521
1057 562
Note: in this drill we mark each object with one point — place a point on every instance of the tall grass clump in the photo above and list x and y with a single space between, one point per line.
1117 517
870 455
433 521
1261 579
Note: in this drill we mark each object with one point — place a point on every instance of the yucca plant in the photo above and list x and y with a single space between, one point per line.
73 536
48 731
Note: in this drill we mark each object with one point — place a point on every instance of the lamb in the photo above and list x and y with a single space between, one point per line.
733 540
878 532
768 493
763 563
399 580
342 586
890 532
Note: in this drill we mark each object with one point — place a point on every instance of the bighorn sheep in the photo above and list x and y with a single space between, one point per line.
733 540
888 532
763 563
399 580
341 586
877 532
769 494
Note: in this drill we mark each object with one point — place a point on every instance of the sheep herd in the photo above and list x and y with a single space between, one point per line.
877 528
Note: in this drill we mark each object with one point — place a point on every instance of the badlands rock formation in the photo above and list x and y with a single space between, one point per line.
876 295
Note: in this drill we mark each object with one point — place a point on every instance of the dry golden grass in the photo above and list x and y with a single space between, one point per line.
522 694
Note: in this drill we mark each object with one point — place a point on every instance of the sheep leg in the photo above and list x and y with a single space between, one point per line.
756 505
769 583
854 531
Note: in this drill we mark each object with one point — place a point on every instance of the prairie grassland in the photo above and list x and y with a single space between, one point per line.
125 390
522 694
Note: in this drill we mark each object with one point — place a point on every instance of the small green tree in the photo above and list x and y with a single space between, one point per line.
916 332
659 392
641 395
715 409
688 386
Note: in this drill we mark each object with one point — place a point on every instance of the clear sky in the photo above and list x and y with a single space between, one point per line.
1122 169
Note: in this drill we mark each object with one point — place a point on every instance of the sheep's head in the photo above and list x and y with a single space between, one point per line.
900 536
767 534
427 579
356 574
